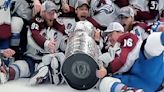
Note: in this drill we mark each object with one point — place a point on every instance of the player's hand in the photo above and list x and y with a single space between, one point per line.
52 46
65 6
97 34
102 72
37 7
107 44
161 28
115 49
8 53
106 58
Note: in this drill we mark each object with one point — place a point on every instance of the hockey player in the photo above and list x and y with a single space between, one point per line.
82 12
45 37
146 10
97 9
126 16
45 44
64 7
38 6
13 14
130 61
5 24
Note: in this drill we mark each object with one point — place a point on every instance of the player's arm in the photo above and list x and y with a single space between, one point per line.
148 15
59 25
129 43
121 3
145 15
35 30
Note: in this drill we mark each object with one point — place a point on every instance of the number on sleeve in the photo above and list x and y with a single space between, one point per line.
34 26
128 42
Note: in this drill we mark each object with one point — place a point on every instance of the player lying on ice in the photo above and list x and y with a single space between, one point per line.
130 63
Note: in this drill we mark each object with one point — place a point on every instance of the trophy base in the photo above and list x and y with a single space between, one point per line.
79 71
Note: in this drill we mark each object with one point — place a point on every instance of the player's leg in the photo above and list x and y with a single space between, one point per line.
110 84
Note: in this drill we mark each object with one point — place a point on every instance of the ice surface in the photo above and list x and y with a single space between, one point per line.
21 85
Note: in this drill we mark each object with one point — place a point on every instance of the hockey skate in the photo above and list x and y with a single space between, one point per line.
39 76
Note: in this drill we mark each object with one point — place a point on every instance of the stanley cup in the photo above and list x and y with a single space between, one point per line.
79 67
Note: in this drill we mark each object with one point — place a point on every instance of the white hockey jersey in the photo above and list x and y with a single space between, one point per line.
39 34
103 13
5 14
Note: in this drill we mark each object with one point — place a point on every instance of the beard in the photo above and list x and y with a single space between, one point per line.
50 23
127 27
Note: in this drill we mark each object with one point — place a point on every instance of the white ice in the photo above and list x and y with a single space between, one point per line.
21 85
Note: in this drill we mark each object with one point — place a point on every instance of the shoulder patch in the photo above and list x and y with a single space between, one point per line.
39 20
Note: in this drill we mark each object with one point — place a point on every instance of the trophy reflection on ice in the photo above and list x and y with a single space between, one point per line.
80 65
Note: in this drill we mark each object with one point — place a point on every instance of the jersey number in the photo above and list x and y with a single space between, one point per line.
128 42
154 5
35 26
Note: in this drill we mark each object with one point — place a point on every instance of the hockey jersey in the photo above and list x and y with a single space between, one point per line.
40 34
103 12
130 47
147 9
5 21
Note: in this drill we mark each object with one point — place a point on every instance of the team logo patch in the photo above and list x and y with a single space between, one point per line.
137 32
107 8
39 20
7 4
69 26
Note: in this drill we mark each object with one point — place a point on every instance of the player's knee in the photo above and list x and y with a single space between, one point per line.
60 56
46 59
